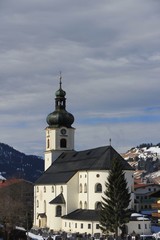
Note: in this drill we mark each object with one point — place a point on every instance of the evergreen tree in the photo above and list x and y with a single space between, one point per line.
114 206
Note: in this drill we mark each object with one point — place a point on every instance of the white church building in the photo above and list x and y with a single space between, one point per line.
68 194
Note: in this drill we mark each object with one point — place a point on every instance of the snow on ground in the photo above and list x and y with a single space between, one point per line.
155 149
34 236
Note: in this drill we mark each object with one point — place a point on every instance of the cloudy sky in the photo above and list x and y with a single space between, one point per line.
109 55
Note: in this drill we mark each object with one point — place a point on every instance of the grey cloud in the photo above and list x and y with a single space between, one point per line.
108 53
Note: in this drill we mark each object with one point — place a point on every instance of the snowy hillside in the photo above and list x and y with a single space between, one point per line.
143 152
145 159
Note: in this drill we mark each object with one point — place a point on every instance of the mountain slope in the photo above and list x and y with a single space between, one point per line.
145 159
16 164
142 151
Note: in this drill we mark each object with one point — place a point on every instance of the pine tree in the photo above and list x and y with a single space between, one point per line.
114 206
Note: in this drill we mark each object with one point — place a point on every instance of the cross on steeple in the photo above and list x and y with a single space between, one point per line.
60 79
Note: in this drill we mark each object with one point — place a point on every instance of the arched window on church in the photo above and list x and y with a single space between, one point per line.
97 205
85 205
85 187
80 188
48 143
63 143
39 223
44 206
80 205
58 211
98 188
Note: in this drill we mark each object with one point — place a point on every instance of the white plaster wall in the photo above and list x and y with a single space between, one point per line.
51 134
140 227
54 150
48 196
35 208
72 194
83 196
47 159
53 221
55 135
38 197
129 175
95 177
76 226
91 178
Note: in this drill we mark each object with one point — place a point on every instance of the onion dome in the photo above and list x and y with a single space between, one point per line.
60 117
60 93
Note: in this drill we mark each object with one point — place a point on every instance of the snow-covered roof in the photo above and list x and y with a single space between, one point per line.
136 215
20 228
139 217
142 218
2 178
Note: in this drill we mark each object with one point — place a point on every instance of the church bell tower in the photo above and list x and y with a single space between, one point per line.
59 132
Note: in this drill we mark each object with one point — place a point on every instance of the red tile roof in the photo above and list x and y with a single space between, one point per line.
9 182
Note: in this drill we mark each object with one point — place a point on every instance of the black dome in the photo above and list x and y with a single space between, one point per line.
60 93
60 118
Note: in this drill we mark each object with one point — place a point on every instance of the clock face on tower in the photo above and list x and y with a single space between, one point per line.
63 131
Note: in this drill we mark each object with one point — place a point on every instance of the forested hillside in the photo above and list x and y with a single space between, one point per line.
16 164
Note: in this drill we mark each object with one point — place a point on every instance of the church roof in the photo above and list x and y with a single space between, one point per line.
58 200
83 214
42 215
70 162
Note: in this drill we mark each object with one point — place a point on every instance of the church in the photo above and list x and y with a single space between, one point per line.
67 196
